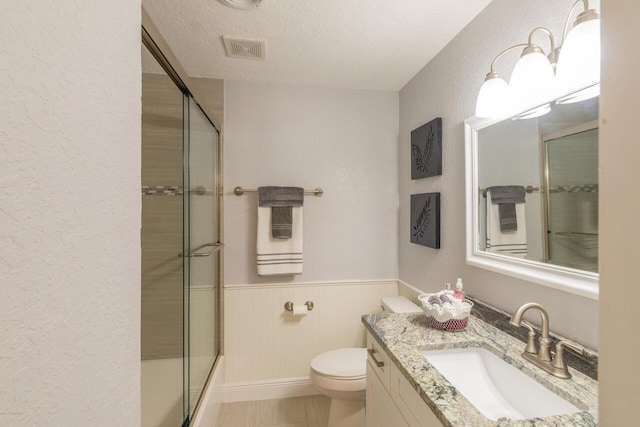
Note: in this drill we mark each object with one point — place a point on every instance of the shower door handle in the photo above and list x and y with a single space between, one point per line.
214 248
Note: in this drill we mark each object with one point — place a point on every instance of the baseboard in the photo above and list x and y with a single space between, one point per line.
268 389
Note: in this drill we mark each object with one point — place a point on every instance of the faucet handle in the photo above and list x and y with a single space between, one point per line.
531 342
574 347
558 361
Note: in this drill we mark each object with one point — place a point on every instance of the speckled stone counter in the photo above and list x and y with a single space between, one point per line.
404 336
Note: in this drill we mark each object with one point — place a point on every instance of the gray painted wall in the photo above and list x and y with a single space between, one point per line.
447 87
342 140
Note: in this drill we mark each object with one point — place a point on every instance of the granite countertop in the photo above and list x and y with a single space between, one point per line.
404 336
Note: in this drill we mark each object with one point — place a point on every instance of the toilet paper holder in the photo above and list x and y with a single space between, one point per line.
289 305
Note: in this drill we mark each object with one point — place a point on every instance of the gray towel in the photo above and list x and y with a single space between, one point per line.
507 217
506 196
281 219
281 200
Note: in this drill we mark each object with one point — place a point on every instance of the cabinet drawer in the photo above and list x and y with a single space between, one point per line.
409 402
379 361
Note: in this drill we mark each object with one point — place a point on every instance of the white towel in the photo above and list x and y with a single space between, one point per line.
511 242
278 256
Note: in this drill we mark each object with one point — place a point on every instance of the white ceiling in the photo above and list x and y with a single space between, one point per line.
359 44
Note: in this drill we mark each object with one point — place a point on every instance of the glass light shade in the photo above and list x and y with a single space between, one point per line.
532 80
493 98
579 62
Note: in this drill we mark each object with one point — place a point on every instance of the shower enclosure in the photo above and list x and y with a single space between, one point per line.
571 197
181 245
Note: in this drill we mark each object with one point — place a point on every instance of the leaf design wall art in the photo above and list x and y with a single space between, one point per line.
425 219
426 150
422 222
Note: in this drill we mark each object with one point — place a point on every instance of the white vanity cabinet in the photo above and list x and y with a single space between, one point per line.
380 410
391 401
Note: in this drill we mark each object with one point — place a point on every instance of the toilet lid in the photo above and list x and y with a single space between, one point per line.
342 363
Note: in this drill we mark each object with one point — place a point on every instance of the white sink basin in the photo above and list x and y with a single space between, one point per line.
495 387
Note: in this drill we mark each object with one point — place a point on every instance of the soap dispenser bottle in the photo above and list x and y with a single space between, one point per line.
459 292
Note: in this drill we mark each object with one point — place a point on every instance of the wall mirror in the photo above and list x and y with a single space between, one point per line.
532 196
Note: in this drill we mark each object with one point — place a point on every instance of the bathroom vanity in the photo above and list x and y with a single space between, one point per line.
404 389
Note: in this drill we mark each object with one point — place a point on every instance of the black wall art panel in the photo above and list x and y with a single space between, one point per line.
426 150
425 219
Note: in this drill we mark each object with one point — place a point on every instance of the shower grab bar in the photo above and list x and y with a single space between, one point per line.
239 191
173 190
576 234
215 247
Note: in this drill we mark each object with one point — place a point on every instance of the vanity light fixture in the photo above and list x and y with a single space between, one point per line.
538 77
494 97
242 4
579 63
532 79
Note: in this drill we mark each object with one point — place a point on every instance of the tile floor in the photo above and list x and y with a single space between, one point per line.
308 411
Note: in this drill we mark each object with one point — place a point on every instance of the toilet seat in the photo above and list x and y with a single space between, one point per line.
344 369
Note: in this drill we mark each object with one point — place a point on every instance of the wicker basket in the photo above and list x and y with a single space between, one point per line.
446 318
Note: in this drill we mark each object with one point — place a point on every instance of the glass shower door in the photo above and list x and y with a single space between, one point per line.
202 345
162 278
180 295
572 200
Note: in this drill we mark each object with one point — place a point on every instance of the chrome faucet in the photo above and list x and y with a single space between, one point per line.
542 357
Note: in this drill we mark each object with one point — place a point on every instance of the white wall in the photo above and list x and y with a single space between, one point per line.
70 213
447 87
619 213
344 141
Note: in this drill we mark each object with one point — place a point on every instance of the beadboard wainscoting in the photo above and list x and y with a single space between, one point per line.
268 350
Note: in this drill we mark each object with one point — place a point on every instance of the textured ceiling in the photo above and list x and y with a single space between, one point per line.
360 44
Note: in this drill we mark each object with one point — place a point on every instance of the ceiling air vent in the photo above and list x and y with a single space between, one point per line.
245 48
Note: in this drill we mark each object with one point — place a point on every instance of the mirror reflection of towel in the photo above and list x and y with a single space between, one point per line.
506 196
512 243
507 215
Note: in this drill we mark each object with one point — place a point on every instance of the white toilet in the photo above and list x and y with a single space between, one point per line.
341 374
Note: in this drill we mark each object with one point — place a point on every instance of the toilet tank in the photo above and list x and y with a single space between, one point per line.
399 305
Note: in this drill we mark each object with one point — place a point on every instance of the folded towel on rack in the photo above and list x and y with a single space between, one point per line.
507 217
278 255
506 196
511 242
281 201
281 220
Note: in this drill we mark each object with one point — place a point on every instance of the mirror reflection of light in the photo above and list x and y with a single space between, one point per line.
582 95
535 112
